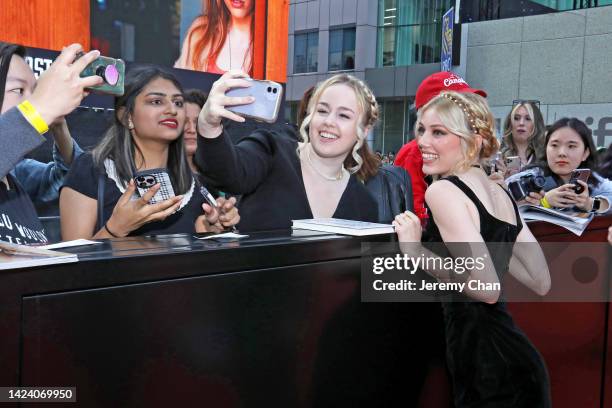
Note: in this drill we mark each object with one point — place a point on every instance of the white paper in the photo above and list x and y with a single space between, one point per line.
231 235
68 244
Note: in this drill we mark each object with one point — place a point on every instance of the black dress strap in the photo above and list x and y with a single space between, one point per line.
519 223
468 192
482 210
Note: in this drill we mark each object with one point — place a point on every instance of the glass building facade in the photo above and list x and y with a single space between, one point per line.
562 5
409 32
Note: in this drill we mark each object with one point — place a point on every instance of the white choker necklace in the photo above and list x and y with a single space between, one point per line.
339 177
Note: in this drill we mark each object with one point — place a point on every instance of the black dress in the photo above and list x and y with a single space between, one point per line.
491 361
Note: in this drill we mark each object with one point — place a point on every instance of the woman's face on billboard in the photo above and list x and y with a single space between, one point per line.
239 8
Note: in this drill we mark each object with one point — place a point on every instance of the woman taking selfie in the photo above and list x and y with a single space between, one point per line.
569 146
221 39
147 134
280 178
30 109
492 363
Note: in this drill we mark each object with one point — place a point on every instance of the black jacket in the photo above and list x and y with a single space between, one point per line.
392 190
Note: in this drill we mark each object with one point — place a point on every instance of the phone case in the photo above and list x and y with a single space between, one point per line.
579 174
268 96
111 70
513 163
148 178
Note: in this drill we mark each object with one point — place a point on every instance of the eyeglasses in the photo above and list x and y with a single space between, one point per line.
522 101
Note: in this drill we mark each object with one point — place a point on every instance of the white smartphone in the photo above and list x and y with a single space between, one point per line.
268 96
148 178
513 164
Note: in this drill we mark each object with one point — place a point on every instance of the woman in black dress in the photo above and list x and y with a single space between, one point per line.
492 363
280 178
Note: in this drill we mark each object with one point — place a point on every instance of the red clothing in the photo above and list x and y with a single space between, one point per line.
409 157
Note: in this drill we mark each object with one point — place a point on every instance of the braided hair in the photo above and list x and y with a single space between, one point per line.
368 116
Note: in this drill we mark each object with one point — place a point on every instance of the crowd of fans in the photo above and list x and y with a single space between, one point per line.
453 178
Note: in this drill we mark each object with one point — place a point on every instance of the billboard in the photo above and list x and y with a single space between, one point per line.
203 35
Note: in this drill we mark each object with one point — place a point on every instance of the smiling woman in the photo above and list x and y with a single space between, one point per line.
472 215
569 146
281 179
97 198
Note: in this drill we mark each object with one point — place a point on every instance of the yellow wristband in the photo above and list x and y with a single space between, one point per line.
31 114
545 203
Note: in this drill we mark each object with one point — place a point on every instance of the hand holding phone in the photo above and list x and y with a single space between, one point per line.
513 164
582 175
268 96
59 90
111 70
146 179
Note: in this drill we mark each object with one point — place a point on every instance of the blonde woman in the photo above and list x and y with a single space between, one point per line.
492 363
280 178
524 131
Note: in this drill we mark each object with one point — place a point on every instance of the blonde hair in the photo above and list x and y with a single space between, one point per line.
536 144
468 116
367 117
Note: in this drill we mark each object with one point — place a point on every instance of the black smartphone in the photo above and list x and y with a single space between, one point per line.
146 179
111 70
582 175
268 96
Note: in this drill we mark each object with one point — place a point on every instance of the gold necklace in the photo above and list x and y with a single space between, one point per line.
339 177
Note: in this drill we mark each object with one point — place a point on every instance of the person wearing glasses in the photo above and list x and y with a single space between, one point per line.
523 136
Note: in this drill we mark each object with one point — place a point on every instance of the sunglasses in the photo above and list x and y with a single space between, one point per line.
530 101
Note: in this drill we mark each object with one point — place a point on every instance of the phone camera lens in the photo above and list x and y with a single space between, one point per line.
269 89
274 90
140 179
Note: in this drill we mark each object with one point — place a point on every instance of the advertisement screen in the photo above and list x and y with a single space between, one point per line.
211 36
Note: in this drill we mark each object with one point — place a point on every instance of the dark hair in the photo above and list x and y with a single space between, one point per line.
7 50
605 169
195 96
118 144
585 134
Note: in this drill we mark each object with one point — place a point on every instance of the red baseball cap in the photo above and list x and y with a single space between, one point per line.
436 83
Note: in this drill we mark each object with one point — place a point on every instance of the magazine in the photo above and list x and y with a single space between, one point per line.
13 256
340 226
574 221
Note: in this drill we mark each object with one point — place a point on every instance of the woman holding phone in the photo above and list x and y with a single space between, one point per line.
147 134
523 136
282 179
569 146
221 39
